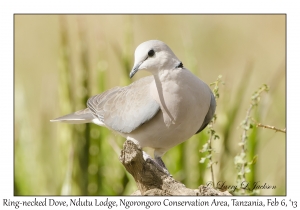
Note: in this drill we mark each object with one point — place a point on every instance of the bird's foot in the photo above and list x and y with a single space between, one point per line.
157 162
161 163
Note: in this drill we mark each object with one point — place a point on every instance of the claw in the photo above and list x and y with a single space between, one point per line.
157 162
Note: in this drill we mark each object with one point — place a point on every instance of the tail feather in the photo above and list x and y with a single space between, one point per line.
79 117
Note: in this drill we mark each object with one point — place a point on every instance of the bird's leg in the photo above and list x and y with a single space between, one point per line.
157 162
161 163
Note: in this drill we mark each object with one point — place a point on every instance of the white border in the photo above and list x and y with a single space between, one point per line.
8 8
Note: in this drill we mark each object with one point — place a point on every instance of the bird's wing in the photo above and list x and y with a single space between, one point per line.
124 109
210 113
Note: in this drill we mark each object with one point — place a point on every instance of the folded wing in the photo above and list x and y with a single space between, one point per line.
124 109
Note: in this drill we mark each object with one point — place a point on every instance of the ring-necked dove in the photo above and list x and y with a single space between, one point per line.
158 111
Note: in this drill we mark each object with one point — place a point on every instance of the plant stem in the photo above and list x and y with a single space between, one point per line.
268 126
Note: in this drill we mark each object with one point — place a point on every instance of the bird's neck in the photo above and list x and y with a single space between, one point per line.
167 75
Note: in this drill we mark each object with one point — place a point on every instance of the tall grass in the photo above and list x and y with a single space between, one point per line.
66 100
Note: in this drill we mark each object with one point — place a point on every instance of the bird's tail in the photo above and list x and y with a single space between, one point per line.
79 117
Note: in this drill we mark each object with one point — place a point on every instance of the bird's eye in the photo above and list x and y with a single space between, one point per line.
151 53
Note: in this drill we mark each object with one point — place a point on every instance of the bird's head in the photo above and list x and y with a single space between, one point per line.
153 56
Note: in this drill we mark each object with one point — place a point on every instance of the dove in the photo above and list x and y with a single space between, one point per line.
159 111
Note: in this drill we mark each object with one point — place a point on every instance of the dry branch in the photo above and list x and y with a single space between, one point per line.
151 180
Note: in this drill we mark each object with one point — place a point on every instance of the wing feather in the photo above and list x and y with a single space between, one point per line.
125 108
209 114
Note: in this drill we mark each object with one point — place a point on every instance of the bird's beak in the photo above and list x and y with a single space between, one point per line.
135 69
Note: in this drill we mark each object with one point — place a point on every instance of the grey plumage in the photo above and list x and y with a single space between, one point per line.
158 111
124 109
210 113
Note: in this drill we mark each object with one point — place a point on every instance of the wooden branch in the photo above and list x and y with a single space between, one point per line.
151 180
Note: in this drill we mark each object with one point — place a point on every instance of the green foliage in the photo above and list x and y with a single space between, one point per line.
207 148
240 162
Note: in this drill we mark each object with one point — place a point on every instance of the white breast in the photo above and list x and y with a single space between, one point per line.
184 106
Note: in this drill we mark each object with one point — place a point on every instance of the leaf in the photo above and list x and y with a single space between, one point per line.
209 156
239 159
247 170
204 148
241 143
253 161
243 154
202 160
240 173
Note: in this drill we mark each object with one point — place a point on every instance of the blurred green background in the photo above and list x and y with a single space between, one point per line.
62 60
